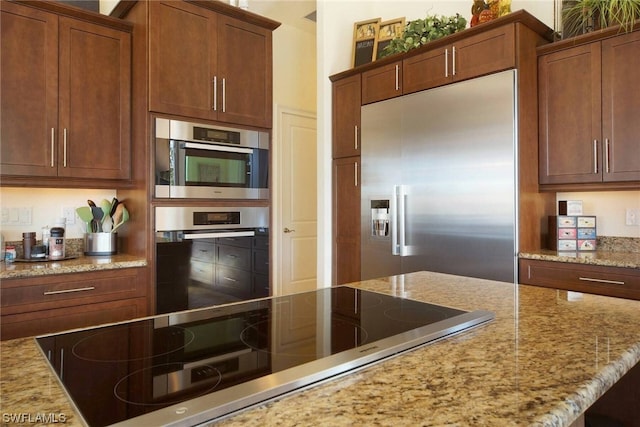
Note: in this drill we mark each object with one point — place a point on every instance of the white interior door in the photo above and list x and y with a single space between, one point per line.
296 221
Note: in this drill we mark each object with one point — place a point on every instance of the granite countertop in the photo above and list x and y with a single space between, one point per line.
602 258
612 252
80 264
546 357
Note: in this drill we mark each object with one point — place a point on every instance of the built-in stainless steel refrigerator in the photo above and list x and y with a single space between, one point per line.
439 181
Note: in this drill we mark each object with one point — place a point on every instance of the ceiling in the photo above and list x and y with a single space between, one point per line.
289 12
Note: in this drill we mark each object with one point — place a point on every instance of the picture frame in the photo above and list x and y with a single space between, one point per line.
365 37
388 31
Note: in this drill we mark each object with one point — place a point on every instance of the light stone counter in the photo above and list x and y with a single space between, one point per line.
542 362
80 264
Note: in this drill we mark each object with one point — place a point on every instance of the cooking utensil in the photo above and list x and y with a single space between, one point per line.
107 224
85 214
125 218
90 203
105 205
117 215
96 222
114 205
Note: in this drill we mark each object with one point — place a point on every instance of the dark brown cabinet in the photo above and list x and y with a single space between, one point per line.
66 96
468 57
610 281
209 66
346 220
382 83
589 102
39 305
346 117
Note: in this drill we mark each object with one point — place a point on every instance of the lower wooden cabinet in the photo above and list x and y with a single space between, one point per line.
346 220
47 304
594 279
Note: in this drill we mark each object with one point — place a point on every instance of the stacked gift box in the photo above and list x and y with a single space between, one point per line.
570 230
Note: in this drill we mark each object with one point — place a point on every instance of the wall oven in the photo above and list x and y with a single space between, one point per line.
209 256
203 161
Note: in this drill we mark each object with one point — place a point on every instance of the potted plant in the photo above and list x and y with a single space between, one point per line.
582 16
421 31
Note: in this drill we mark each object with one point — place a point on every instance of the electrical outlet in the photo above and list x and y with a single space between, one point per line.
25 215
633 216
70 214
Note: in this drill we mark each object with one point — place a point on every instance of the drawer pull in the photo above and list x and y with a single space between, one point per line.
230 279
610 282
68 291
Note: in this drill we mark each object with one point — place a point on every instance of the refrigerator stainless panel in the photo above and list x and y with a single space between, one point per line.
457 193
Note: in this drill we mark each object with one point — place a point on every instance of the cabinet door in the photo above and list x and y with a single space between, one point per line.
346 117
485 53
382 83
29 87
95 101
182 59
244 75
346 217
569 118
426 70
621 107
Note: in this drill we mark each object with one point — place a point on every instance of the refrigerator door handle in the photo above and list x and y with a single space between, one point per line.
398 234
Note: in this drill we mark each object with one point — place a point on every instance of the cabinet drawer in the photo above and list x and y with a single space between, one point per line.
241 242
232 256
610 281
233 282
204 251
41 293
202 271
60 319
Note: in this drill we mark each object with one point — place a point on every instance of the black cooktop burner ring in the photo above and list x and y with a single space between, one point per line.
77 347
179 394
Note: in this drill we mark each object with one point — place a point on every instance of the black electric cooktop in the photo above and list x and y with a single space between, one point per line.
190 367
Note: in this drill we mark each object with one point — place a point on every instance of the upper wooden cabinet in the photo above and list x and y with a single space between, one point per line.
208 65
589 101
382 83
468 57
66 96
346 117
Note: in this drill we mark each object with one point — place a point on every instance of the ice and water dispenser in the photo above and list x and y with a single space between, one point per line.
380 218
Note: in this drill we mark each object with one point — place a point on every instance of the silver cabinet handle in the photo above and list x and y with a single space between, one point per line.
453 61
218 235
606 156
288 230
230 279
215 93
595 156
609 282
446 62
398 237
65 148
355 137
355 174
397 77
68 291
224 95
53 146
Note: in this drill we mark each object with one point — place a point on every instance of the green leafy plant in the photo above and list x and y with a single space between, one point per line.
421 31
582 16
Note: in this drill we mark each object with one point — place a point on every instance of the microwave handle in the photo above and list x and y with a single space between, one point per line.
210 147
220 235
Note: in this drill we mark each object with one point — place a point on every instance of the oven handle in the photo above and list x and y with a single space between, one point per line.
211 147
222 234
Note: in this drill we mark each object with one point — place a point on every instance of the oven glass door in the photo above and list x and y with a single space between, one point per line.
208 164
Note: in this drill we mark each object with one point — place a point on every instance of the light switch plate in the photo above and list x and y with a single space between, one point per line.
633 216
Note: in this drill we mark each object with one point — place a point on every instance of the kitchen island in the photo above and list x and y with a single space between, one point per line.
546 358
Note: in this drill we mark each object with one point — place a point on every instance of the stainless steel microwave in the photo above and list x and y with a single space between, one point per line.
202 161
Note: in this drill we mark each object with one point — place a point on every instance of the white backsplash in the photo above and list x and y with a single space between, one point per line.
610 209
47 204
